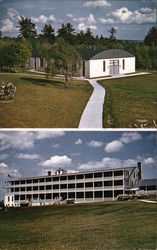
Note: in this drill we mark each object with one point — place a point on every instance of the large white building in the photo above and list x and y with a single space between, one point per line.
88 186
112 62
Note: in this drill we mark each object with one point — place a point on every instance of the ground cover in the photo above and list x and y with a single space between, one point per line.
111 225
131 102
44 103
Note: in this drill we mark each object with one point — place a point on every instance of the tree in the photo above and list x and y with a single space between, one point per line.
67 59
89 39
0 34
48 33
112 32
26 28
67 32
151 37
47 54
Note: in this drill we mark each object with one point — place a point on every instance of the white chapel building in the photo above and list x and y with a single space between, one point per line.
112 62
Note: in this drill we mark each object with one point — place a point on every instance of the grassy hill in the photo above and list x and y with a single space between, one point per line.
110 225
42 103
131 102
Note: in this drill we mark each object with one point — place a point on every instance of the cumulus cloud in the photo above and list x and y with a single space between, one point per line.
42 19
44 134
5 171
149 161
12 13
96 4
57 161
70 15
95 144
114 146
123 15
91 19
107 162
128 137
8 26
106 20
28 156
78 142
25 139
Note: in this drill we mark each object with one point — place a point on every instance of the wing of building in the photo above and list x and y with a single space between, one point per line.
91 186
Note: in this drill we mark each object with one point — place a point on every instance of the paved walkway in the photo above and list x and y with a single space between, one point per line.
148 201
92 116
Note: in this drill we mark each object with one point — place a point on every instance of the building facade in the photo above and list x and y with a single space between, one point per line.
148 186
112 62
88 186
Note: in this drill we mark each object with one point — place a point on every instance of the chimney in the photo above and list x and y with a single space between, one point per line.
139 165
49 173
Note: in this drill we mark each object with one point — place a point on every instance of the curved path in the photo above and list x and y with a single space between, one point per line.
92 116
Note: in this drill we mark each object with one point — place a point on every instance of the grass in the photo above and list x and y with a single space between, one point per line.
42 103
131 102
111 225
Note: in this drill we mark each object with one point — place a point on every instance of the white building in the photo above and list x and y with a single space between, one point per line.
110 62
88 186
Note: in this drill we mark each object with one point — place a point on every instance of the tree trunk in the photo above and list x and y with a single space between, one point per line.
66 81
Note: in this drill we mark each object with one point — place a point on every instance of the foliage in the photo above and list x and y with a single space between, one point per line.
26 28
68 60
151 37
7 91
112 32
124 197
48 33
67 32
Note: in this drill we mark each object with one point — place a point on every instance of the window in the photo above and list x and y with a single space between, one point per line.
35 181
56 179
88 184
41 180
29 188
107 174
55 186
63 186
48 179
118 173
97 175
35 188
88 176
80 185
80 176
42 188
29 181
22 182
123 64
71 185
104 66
22 188
71 177
48 187
107 183
98 184
118 183
8 198
63 178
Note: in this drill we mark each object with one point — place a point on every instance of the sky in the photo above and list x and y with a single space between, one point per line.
31 153
131 18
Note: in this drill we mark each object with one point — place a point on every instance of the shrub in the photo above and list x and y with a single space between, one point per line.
7 91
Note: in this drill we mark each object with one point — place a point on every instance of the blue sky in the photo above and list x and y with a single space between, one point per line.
132 18
30 153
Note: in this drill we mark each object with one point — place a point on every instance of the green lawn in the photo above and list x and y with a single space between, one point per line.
42 103
131 102
111 225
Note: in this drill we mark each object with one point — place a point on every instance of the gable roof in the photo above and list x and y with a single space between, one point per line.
112 53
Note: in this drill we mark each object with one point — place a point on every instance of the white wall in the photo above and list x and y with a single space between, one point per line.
94 68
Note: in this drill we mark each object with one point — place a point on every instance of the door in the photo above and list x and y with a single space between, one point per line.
114 67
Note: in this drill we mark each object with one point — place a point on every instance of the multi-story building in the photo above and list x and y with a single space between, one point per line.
91 186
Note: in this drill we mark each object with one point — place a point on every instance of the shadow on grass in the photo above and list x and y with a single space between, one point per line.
44 82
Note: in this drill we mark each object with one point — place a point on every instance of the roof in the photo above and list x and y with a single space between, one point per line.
148 182
112 53
75 173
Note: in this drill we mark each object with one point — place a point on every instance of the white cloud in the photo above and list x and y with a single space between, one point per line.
114 146
17 140
106 163
106 20
123 15
57 161
4 170
44 134
145 10
82 27
128 137
25 139
78 142
12 13
91 19
70 15
28 156
56 146
3 157
97 3
95 144
79 19
149 161
93 27
8 26
52 18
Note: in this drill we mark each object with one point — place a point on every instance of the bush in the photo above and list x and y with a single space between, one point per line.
125 197
7 91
